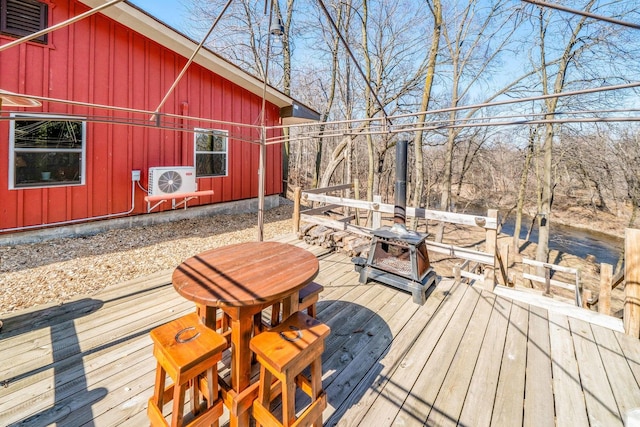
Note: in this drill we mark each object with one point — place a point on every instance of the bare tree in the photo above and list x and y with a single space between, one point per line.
467 34
435 8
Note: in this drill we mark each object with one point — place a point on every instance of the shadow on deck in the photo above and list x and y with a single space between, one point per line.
466 357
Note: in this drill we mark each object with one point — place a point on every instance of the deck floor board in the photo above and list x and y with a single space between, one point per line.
601 404
569 397
421 401
466 357
455 386
479 401
538 402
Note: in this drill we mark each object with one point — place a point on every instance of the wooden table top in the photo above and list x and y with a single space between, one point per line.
245 274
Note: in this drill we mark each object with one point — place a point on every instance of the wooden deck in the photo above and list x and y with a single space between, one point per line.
467 357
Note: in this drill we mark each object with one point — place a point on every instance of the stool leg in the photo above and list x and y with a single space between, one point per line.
178 405
264 391
195 396
288 402
316 385
212 389
311 311
275 314
158 390
257 323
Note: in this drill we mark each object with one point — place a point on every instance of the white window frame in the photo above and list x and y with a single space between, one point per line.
197 131
12 150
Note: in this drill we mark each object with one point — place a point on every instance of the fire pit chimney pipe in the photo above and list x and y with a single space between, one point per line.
399 210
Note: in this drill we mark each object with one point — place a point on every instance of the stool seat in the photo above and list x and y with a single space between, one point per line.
307 299
184 349
309 295
284 352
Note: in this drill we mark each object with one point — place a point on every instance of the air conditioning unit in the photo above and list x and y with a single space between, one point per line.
172 180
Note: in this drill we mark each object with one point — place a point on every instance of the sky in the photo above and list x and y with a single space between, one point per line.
173 12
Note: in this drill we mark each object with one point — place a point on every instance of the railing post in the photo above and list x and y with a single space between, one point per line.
632 282
604 297
457 273
297 193
547 282
504 263
377 216
356 191
580 302
490 248
586 296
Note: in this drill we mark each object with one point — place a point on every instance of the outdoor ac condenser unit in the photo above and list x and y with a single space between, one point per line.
172 180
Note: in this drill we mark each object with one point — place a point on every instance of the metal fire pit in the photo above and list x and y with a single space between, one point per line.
398 257
400 261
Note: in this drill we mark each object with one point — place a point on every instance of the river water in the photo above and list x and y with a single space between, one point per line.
576 241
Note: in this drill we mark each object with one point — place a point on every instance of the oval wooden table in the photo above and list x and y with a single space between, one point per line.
242 280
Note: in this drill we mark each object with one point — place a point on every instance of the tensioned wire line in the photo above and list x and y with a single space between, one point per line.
382 128
583 13
191 59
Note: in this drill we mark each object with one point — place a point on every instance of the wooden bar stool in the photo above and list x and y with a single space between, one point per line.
308 297
185 349
284 352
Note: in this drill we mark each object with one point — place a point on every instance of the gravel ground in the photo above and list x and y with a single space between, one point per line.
58 270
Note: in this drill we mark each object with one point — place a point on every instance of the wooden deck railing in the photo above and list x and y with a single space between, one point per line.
607 283
630 276
486 266
326 202
575 287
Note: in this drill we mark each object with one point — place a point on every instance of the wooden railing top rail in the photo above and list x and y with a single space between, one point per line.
556 267
455 218
329 189
575 287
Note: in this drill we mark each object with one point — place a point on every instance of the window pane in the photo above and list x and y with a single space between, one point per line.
203 142
34 169
219 143
48 134
210 164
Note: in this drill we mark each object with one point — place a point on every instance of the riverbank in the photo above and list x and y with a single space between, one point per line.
610 223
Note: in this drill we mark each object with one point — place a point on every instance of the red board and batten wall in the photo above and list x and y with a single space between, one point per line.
99 61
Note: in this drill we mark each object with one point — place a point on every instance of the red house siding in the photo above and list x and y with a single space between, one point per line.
100 61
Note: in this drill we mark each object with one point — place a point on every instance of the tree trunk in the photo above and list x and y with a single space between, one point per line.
286 83
522 190
418 188
337 156
544 218
445 199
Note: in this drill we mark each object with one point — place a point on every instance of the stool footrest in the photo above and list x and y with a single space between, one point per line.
304 384
209 416
155 414
307 418
263 415
312 413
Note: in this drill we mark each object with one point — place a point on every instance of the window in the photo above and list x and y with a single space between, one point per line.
23 17
46 151
211 152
